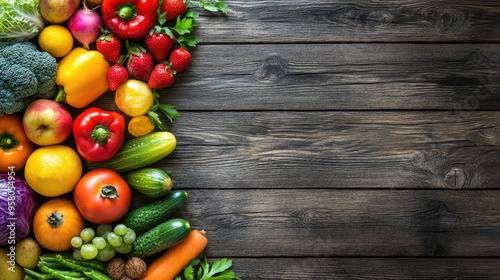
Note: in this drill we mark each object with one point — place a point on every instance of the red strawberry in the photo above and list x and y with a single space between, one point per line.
161 77
140 63
173 8
116 76
109 46
159 44
179 59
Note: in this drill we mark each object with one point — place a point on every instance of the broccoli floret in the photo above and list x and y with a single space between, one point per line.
18 79
26 74
17 87
11 105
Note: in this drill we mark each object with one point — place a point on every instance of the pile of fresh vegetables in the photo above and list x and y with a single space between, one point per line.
69 170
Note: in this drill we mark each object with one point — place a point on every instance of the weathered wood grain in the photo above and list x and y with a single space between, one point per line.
353 21
281 150
343 139
339 77
346 223
366 268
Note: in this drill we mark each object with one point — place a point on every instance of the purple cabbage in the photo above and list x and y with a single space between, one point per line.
17 207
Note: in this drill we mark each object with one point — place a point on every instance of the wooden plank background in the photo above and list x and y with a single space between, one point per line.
343 139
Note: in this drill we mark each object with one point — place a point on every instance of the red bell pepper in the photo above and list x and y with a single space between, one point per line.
99 134
130 19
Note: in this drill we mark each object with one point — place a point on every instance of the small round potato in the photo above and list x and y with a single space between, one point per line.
28 252
9 269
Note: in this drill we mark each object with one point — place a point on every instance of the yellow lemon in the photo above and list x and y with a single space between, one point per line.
53 170
56 40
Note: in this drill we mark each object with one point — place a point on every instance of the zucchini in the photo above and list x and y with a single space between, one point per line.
139 152
151 182
148 216
160 238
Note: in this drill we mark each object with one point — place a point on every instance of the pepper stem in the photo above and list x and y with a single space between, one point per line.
109 192
126 12
8 141
55 219
100 134
61 96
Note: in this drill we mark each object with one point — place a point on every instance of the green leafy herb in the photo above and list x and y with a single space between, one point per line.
192 14
213 6
167 109
184 25
200 269
188 40
155 118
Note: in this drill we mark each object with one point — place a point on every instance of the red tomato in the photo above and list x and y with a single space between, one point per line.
102 196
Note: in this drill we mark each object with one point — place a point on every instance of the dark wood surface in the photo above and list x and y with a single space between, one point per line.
344 139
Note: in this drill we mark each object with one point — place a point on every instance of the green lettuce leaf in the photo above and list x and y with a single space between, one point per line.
20 20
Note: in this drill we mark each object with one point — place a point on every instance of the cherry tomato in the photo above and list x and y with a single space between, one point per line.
102 196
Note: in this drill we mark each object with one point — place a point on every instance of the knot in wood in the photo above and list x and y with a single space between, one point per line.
353 15
304 216
437 251
456 178
376 18
449 20
272 70
477 59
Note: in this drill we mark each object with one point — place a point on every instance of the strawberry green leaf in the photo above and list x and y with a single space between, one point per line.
167 31
162 18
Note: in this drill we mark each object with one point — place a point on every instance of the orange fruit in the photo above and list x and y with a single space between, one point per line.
53 170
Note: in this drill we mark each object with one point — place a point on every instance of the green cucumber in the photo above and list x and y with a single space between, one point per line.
148 216
160 238
139 152
151 182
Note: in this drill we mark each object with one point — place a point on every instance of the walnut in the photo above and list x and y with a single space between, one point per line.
135 267
116 268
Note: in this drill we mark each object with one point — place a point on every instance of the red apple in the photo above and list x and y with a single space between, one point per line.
47 122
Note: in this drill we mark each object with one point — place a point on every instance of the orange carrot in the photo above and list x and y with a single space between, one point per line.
175 259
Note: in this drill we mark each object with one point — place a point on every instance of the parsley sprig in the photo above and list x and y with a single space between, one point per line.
213 6
200 269
167 109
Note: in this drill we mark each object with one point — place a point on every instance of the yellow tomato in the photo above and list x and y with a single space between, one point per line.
134 98
140 126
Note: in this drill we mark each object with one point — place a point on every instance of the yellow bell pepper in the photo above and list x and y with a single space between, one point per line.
81 75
